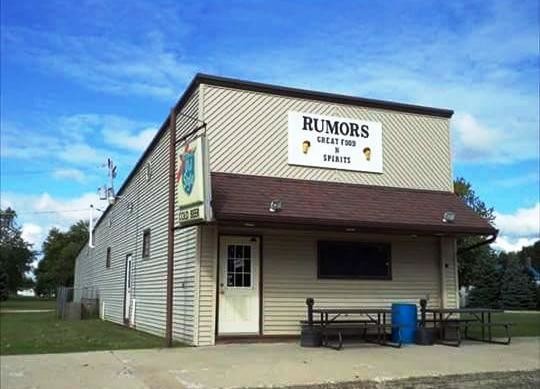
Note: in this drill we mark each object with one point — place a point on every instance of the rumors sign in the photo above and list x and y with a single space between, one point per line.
335 142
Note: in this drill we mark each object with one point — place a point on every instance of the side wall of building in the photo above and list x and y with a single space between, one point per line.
247 134
122 230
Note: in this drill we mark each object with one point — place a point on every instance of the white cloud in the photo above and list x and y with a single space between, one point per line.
128 140
525 222
475 140
33 234
37 214
70 174
504 243
82 153
102 63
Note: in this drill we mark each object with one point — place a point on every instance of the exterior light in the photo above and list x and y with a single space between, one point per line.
449 217
275 206
249 224
350 229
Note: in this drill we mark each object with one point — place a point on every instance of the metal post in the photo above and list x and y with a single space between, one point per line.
310 302
423 303
170 230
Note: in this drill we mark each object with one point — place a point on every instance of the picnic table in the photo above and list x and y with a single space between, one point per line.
451 318
337 321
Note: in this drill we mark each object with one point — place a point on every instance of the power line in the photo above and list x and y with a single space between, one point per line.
52 212
33 172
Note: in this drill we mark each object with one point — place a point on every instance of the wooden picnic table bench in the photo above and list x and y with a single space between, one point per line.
444 318
332 323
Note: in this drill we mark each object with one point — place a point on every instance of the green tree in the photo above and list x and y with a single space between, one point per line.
4 288
486 291
530 255
60 250
468 261
517 288
16 255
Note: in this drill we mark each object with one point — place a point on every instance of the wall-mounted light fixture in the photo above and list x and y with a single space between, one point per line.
275 206
449 217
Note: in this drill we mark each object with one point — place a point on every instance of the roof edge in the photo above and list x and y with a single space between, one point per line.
155 140
413 228
321 96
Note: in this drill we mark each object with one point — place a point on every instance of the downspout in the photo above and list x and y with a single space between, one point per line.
482 243
170 229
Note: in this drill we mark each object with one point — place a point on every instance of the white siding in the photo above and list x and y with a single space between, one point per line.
247 133
124 236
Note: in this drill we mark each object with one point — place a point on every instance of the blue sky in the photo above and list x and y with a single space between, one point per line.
89 79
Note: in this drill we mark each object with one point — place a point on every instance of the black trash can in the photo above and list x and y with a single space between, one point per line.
425 336
310 336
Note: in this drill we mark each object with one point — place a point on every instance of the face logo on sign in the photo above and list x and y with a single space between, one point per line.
305 146
367 153
186 169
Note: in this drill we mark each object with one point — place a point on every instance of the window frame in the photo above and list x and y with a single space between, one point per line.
146 246
251 278
108 256
387 277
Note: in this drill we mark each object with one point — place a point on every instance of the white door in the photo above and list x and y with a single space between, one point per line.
127 290
238 285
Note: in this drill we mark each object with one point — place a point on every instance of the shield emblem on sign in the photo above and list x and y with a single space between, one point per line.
188 176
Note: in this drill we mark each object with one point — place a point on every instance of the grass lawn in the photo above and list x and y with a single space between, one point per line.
19 302
42 332
525 324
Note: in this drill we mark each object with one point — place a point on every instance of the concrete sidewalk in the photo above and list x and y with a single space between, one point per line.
263 365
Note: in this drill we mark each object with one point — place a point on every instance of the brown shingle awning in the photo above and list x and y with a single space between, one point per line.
245 198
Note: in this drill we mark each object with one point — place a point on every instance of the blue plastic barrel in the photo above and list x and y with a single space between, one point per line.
404 316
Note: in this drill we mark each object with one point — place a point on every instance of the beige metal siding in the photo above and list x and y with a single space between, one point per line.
185 247
247 134
290 276
449 272
207 285
185 255
124 236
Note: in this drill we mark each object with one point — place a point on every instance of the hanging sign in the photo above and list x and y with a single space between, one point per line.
335 142
192 182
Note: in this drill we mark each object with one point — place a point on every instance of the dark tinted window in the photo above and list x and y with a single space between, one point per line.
108 259
354 260
146 244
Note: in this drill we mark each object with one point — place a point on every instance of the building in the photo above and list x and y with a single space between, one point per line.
263 196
